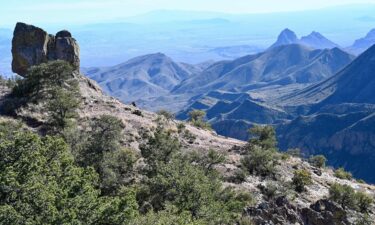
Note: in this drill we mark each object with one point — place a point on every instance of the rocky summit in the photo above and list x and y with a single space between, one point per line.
32 46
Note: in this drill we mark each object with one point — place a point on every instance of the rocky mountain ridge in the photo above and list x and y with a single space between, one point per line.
313 40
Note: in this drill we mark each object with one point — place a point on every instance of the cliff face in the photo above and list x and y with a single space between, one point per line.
32 46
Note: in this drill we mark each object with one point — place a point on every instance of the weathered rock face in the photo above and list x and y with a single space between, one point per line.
281 211
32 46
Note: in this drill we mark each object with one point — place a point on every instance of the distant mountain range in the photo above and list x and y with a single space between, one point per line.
150 79
340 120
364 43
314 40
281 65
354 84
142 77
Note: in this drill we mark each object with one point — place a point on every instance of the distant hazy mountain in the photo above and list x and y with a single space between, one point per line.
317 40
286 37
364 43
142 77
354 84
282 65
314 40
341 119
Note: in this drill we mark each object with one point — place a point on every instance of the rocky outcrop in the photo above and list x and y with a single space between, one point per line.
32 46
281 211
324 212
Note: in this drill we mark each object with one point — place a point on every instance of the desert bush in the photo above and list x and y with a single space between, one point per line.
166 114
238 176
263 136
196 117
342 174
300 179
41 184
343 195
260 162
181 127
318 161
346 196
261 155
188 182
62 109
363 201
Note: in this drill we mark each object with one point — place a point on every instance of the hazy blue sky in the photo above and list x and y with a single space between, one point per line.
84 11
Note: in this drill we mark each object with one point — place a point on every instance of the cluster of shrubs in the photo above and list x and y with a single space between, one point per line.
342 174
261 154
347 197
196 118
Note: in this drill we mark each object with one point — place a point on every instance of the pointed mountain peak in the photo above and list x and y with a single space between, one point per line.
286 37
318 41
287 34
364 43
316 34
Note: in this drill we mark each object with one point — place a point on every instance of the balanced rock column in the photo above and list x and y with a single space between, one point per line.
32 46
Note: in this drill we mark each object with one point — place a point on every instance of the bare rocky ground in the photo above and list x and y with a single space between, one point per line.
139 123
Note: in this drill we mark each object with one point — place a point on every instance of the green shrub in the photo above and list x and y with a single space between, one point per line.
61 109
343 195
167 115
260 162
196 117
41 184
187 182
264 137
300 179
363 201
318 161
160 148
189 136
270 190
262 154
168 216
181 127
239 176
342 174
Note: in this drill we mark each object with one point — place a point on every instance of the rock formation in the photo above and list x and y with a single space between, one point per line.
32 46
281 211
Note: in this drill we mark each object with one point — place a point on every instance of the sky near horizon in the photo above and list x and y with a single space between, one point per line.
93 11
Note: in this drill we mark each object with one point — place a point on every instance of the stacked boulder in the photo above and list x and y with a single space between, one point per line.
32 46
